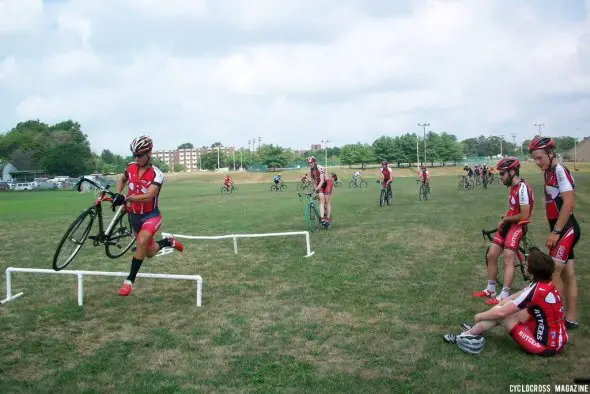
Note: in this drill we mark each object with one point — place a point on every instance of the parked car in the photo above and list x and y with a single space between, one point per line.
26 186
4 186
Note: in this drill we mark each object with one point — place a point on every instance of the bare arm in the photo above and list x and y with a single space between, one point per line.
566 209
151 193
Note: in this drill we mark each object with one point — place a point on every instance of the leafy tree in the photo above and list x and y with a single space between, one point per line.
186 145
158 163
209 160
71 159
179 167
357 153
216 144
272 156
386 148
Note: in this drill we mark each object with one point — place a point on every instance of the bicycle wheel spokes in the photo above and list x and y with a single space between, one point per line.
73 239
389 197
120 238
382 197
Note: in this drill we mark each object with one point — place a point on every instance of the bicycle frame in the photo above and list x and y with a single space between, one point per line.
522 253
102 236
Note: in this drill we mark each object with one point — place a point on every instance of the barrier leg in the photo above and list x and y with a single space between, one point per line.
80 289
308 244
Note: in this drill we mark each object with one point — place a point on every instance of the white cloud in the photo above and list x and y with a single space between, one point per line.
7 67
295 72
19 15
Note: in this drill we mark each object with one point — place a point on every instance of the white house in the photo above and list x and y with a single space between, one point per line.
5 170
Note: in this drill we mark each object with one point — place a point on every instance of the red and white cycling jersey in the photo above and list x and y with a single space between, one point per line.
315 174
557 181
386 173
520 194
546 314
139 185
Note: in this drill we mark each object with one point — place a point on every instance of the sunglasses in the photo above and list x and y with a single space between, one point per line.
502 173
139 155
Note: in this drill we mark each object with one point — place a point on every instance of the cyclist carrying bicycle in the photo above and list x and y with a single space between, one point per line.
564 228
144 182
510 229
322 184
228 182
385 171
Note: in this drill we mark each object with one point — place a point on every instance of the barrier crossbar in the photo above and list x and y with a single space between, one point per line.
80 275
235 237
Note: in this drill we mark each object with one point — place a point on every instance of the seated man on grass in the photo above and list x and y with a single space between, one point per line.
533 317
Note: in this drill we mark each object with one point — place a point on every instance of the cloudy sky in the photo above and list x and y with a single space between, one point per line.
295 72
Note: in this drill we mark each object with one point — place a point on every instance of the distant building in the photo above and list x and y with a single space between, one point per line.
5 169
581 152
316 146
189 158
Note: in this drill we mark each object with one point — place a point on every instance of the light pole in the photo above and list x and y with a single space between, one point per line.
423 125
241 163
325 142
539 125
417 154
233 153
218 157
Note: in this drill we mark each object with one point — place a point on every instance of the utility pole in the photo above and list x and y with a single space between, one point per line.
417 154
326 150
218 157
233 153
539 125
259 139
423 125
241 163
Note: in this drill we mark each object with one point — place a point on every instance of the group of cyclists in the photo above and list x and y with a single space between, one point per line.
479 172
535 317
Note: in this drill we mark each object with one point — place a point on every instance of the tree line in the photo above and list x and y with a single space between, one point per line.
64 149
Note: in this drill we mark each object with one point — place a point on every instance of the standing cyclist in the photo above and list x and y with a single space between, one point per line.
144 182
322 184
510 229
564 228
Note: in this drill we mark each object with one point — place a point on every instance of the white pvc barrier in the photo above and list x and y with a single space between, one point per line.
80 275
235 237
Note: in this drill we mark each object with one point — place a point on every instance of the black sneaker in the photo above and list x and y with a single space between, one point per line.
571 325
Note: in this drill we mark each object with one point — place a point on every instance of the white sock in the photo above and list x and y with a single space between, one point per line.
491 286
505 293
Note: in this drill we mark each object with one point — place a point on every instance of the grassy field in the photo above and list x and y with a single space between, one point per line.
366 313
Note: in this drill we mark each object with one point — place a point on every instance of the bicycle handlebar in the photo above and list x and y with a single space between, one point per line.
488 233
104 189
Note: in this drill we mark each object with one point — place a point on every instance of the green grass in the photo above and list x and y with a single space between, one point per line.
366 313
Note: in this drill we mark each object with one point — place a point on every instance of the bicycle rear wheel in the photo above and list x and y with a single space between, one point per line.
73 239
274 188
121 237
312 217
224 190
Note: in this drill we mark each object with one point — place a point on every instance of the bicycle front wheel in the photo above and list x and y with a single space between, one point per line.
421 193
233 189
382 198
73 239
120 239
389 197
363 184
312 217
283 188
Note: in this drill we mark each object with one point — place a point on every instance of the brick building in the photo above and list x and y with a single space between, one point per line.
190 158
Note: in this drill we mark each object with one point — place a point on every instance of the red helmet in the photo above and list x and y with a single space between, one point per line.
384 163
508 163
541 143
311 159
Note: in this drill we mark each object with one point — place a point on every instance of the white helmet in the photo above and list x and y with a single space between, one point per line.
472 344
141 144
